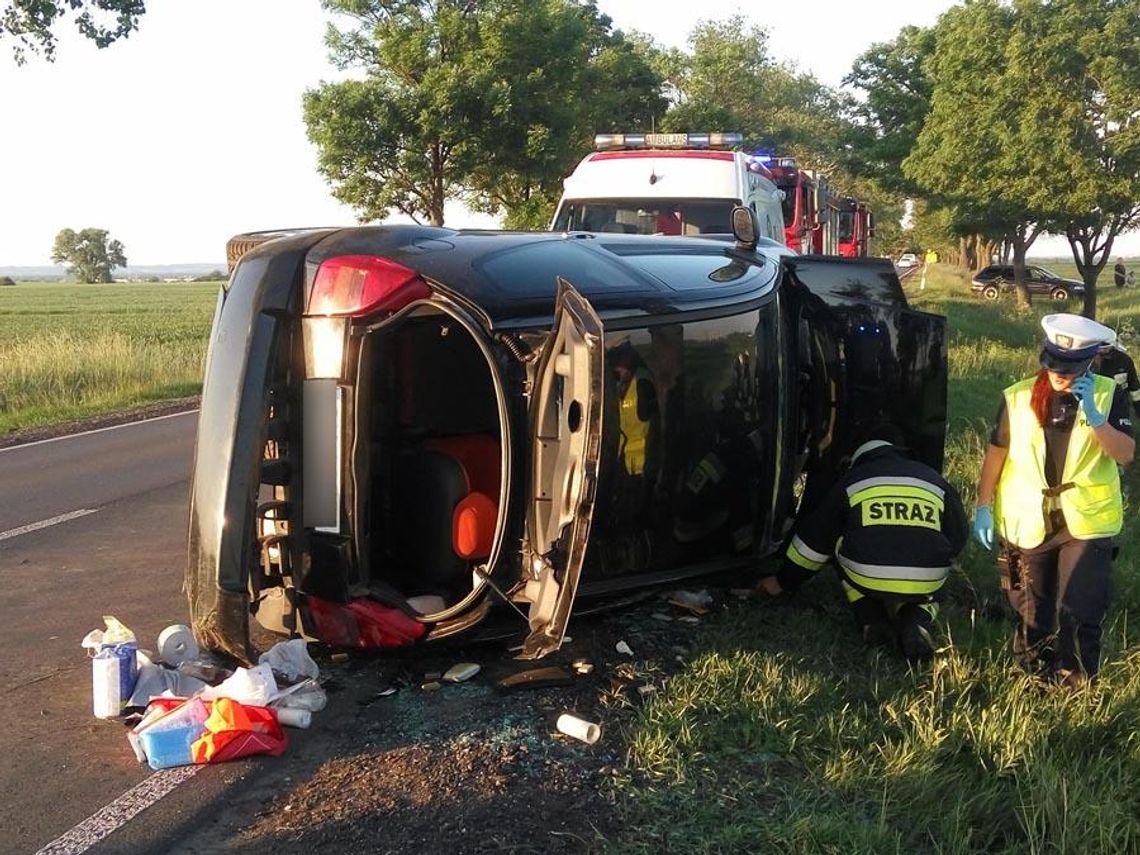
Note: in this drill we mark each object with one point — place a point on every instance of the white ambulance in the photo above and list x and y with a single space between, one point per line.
673 184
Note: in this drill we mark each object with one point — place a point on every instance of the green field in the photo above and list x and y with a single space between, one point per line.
783 734
68 351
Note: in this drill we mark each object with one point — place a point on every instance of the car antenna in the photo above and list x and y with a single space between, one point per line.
481 572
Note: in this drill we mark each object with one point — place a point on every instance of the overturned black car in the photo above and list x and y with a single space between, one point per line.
405 427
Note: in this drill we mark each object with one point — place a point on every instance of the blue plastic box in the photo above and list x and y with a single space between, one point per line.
171 746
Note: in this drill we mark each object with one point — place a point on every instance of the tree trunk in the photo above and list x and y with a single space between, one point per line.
1089 260
437 186
1020 245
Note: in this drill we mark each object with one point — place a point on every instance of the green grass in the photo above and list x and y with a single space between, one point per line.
68 351
783 734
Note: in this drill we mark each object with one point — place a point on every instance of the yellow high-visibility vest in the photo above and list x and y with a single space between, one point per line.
1089 491
636 431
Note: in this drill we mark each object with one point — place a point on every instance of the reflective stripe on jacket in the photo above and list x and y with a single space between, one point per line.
893 525
1089 492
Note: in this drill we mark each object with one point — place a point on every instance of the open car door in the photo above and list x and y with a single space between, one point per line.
566 430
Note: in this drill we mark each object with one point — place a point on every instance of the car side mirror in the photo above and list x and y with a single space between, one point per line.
745 227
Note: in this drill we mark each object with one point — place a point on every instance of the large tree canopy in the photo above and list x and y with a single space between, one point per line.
88 254
483 101
31 24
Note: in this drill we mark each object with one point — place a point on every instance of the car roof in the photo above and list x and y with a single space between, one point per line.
512 276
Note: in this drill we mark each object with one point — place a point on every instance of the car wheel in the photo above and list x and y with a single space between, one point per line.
991 292
239 245
1059 294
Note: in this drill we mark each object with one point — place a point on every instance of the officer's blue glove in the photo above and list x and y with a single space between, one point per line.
1082 388
984 526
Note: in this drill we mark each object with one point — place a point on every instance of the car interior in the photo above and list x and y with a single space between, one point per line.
432 466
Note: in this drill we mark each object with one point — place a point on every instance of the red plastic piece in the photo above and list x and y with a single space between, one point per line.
362 623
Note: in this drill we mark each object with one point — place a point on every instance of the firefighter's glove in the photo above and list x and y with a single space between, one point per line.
1082 388
984 526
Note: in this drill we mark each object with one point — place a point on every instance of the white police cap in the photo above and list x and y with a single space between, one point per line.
1071 341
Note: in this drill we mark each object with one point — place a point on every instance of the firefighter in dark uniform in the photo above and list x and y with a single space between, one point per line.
1050 491
893 527
1113 361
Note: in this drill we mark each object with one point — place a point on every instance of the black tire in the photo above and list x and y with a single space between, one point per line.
991 292
1059 294
239 245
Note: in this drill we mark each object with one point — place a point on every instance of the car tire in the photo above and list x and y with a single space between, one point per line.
239 245
1059 294
991 292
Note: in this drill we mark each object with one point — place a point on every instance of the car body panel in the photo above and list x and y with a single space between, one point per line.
566 427
727 377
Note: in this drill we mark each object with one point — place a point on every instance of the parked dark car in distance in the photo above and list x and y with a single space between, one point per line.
996 279
403 428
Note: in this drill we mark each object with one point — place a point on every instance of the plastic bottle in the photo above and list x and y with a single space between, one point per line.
294 717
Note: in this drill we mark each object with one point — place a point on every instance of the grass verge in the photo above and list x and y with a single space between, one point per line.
69 351
783 734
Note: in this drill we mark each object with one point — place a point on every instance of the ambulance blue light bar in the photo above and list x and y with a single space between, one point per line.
603 142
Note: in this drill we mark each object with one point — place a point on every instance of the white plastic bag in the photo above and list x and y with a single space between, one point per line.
291 660
306 695
253 686
154 681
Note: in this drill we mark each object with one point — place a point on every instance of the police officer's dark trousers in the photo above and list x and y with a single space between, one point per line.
1061 604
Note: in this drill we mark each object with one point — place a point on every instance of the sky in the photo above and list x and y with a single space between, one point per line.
190 130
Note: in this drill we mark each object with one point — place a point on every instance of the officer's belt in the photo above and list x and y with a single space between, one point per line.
1051 497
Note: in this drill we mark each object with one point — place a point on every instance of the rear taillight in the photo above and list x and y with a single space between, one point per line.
358 285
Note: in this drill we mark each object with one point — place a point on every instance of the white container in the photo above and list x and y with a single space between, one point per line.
294 718
106 700
580 729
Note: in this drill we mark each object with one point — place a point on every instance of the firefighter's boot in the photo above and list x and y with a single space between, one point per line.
916 639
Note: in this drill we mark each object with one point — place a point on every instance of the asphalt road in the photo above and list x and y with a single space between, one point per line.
124 557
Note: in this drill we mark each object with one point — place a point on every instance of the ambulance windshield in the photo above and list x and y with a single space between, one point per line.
647 216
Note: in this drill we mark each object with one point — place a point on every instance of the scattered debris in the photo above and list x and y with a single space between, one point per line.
622 647
431 686
254 686
176 645
586 731
291 660
114 668
536 678
646 689
582 667
461 672
689 619
697 602
298 718
339 657
661 616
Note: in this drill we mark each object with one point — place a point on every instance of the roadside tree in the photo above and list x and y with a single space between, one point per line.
88 254
888 119
475 101
30 24
1088 55
986 148
728 80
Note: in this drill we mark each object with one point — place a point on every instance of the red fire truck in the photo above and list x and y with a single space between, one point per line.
815 219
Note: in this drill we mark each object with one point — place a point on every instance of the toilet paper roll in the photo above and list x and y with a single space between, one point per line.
176 645
586 731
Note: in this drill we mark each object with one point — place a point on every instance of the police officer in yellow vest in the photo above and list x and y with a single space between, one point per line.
893 526
1050 490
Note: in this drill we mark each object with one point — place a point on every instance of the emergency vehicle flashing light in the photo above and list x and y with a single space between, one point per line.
604 142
